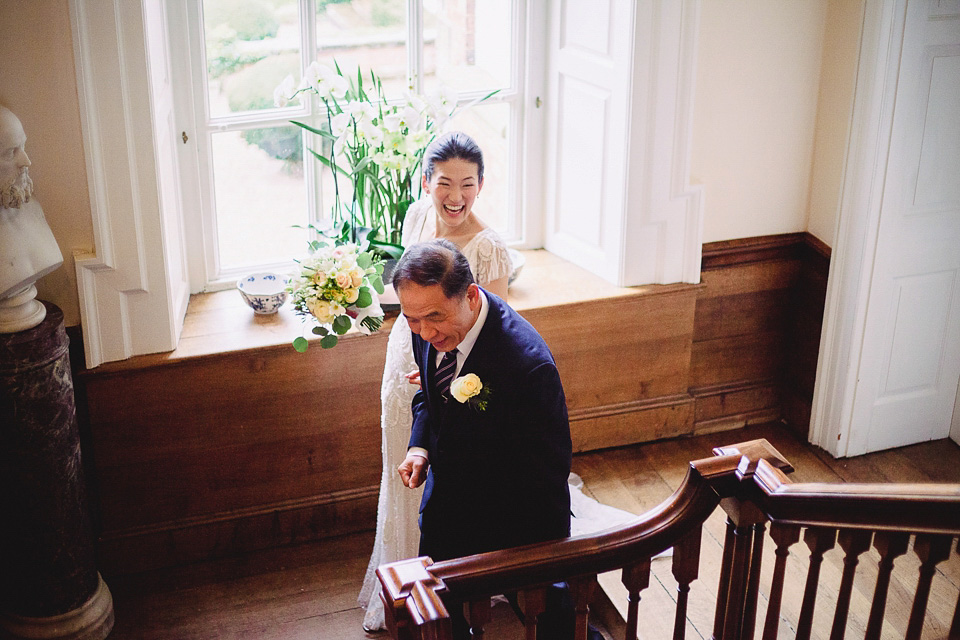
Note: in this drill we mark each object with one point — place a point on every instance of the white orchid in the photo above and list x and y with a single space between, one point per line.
378 143
284 91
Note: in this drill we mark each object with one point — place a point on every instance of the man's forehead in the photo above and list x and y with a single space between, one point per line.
419 301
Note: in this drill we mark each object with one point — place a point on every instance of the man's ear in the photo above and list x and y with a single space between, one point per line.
473 296
426 184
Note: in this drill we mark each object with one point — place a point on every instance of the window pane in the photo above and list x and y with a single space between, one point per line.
490 125
467 44
365 34
251 47
259 190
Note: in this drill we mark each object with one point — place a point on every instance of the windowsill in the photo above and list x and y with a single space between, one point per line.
221 322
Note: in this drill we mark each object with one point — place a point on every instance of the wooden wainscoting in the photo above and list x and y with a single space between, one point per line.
757 331
200 454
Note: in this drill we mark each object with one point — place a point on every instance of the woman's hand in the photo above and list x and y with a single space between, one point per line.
414 378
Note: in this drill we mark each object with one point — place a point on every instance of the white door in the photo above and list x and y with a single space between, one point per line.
909 366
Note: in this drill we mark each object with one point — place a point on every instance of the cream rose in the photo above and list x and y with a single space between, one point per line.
465 387
356 275
351 295
322 310
343 279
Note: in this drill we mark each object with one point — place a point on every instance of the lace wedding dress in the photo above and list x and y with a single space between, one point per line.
398 534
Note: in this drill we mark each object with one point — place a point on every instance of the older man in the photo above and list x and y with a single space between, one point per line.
28 250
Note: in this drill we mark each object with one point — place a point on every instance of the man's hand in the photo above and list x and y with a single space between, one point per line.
413 470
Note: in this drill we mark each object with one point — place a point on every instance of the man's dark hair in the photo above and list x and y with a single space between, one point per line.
435 262
455 144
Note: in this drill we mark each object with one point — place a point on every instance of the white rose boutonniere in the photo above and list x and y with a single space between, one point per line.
469 390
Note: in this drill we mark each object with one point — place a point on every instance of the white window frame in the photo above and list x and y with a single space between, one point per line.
197 177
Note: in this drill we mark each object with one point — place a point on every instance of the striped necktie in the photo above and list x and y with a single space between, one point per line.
445 371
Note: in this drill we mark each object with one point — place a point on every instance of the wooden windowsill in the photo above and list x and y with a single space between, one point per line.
221 322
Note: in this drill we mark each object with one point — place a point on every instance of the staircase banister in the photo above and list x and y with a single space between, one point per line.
916 507
486 574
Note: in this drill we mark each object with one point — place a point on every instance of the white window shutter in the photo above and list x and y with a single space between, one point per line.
620 87
133 289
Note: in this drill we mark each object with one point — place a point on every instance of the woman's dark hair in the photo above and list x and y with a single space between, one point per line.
455 144
435 262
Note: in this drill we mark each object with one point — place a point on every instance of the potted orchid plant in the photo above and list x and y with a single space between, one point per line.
375 143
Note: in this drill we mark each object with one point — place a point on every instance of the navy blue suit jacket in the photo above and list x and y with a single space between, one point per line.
498 477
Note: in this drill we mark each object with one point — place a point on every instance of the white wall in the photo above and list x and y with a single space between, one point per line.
38 82
838 73
758 73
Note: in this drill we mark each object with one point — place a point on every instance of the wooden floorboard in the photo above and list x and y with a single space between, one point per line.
309 591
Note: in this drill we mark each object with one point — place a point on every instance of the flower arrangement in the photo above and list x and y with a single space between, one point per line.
376 143
338 287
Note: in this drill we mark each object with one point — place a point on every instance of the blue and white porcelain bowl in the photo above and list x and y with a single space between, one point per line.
264 292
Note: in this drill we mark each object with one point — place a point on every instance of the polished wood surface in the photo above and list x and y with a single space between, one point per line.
749 482
309 590
235 442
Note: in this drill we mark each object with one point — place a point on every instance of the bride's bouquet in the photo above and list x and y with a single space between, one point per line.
337 287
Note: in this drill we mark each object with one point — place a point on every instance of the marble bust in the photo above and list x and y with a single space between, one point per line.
28 250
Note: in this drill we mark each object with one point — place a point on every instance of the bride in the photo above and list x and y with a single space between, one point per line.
452 180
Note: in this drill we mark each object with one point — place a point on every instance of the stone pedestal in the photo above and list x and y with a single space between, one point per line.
49 584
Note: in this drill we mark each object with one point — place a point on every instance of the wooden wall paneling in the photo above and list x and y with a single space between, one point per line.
804 324
741 330
625 364
265 431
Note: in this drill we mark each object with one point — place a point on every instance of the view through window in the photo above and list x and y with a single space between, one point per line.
257 179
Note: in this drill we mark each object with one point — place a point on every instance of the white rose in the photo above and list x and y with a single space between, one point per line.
465 387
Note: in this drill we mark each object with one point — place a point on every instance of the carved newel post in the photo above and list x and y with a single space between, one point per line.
49 584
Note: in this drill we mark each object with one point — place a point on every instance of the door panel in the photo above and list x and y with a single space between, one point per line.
910 359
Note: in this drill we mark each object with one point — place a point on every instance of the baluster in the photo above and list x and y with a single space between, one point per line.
753 586
890 546
724 587
932 550
853 544
784 536
819 541
534 603
955 626
686 568
581 590
479 616
747 518
635 577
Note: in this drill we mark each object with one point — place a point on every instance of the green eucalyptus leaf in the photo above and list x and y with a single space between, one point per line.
377 283
341 324
365 298
320 331
364 260
301 344
328 342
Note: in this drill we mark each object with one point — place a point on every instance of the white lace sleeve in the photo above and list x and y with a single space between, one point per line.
492 261
413 221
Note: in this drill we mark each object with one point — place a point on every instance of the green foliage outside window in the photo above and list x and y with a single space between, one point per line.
250 19
251 89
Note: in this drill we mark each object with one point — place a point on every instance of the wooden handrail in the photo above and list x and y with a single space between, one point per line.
749 481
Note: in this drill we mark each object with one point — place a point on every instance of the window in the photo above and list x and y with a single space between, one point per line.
251 172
